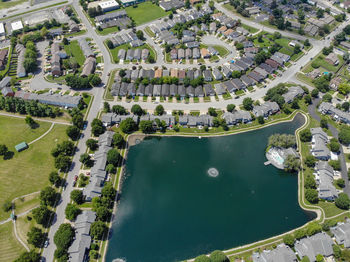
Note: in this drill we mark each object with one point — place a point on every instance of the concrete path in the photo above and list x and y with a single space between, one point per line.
40 137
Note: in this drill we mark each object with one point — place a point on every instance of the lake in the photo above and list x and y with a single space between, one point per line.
171 209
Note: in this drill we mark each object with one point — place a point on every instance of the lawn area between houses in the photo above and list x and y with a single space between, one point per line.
73 49
108 30
10 248
26 171
114 51
145 12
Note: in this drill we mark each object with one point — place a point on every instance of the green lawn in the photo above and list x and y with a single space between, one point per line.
145 12
10 248
108 30
249 28
73 49
8 4
27 171
114 51
222 50
81 32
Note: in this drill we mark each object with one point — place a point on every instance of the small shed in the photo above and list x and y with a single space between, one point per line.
21 146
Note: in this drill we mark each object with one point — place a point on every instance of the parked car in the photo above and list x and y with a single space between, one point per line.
46 244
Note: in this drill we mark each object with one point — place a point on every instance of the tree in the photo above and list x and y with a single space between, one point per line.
313 228
344 88
113 157
335 164
64 236
289 240
3 150
95 80
118 140
314 93
311 195
202 258
7 206
282 140
128 125
72 211
97 127
187 4
344 135
159 110
305 135
230 107
337 251
30 121
319 258
35 237
146 126
48 196
291 163
30 256
248 103
41 215
85 159
212 111
73 132
55 179
62 162
218 256
324 123
307 99
300 233
343 201
119 110
65 148
345 106
261 120
111 169
137 110
77 196
92 144
310 160
334 146
139 34
98 229
78 121
310 182
340 182
103 213
327 98
109 44
108 191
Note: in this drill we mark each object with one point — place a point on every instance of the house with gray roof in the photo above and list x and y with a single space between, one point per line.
238 84
190 91
247 80
149 90
319 142
209 91
140 90
217 74
196 53
341 233
181 90
121 54
266 109
282 253
79 249
321 243
226 71
324 181
130 54
144 54
180 53
236 117
85 48
220 89
156 90
229 86
207 75
198 91
50 98
137 54
20 50
165 91
293 92
339 115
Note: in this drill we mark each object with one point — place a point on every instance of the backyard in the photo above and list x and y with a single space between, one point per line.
73 49
26 172
145 12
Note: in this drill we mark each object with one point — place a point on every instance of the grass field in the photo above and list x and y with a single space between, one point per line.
10 248
8 4
73 49
114 51
145 12
222 50
27 171
108 30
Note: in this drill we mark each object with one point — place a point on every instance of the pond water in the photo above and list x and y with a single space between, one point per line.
183 197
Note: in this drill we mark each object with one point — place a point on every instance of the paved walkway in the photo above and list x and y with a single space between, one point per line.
40 137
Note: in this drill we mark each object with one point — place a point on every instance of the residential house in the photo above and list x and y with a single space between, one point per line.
319 142
266 109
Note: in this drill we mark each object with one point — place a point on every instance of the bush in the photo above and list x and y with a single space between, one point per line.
118 140
73 132
343 201
113 157
261 120
98 229
72 211
340 182
334 146
282 140
305 135
313 228
311 195
344 135
230 107
289 240
310 182
218 256
335 164
310 161
7 206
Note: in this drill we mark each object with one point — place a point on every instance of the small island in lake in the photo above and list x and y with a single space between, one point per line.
281 152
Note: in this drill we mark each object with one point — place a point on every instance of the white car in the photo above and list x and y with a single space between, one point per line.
46 244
